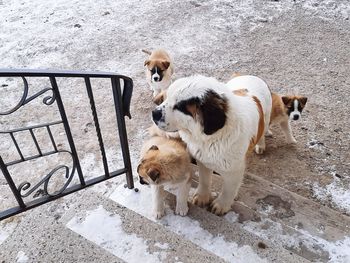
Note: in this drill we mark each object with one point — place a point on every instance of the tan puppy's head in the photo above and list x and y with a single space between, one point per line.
294 106
150 171
157 65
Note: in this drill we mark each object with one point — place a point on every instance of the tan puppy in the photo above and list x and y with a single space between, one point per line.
166 162
159 69
284 109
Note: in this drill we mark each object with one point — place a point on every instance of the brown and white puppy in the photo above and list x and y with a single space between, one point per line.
286 108
159 69
166 162
220 123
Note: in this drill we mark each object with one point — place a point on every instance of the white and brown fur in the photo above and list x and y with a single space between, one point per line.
166 162
219 127
159 69
286 108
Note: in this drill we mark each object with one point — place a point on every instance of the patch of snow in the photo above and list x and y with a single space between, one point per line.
315 144
162 246
232 217
327 9
338 251
21 257
105 229
6 229
184 226
338 192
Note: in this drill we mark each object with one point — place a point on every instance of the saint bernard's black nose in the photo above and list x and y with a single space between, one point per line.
142 181
295 117
156 79
156 115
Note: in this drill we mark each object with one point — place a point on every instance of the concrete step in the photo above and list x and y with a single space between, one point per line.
228 240
109 223
299 225
88 227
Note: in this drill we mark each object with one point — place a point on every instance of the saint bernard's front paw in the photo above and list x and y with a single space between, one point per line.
220 207
201 199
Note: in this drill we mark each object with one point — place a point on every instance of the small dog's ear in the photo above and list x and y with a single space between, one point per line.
154 148
147 62
166 64
153 174
303 101
286 100
213 109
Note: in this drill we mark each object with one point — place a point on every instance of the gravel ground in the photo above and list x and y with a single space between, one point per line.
296 46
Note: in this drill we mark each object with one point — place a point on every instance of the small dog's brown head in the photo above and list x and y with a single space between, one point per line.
157 68
294 106
149 169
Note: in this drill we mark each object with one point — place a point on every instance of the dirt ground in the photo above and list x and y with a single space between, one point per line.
298 47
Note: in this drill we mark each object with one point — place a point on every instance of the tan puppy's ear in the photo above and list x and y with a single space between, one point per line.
286 100
154 148
154 174
147 62
303 101
165 64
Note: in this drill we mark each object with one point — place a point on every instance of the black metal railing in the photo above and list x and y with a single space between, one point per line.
121 87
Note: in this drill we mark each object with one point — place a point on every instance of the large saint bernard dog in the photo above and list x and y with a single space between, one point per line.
220 123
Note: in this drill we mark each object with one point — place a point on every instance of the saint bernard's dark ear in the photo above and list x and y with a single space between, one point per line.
147 62
189 107
213 109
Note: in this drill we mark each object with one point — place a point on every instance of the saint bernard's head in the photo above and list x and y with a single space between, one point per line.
194 104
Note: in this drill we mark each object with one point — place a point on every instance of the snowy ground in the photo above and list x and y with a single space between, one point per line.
296 46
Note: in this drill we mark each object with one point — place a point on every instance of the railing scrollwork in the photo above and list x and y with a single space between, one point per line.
51 186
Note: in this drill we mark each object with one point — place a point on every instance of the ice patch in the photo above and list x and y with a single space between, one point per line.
6 229
105 229
185 227
21 257
336 192
337 252
162 246
232 217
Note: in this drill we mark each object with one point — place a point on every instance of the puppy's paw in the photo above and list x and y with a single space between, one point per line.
220 207
259 149
181 209
158 214
201 200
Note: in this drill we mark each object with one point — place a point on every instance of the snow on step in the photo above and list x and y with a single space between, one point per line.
105 229
185 227
6 229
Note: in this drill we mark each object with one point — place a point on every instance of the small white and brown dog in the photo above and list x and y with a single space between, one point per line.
286 108
166 162
159 69
220 123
